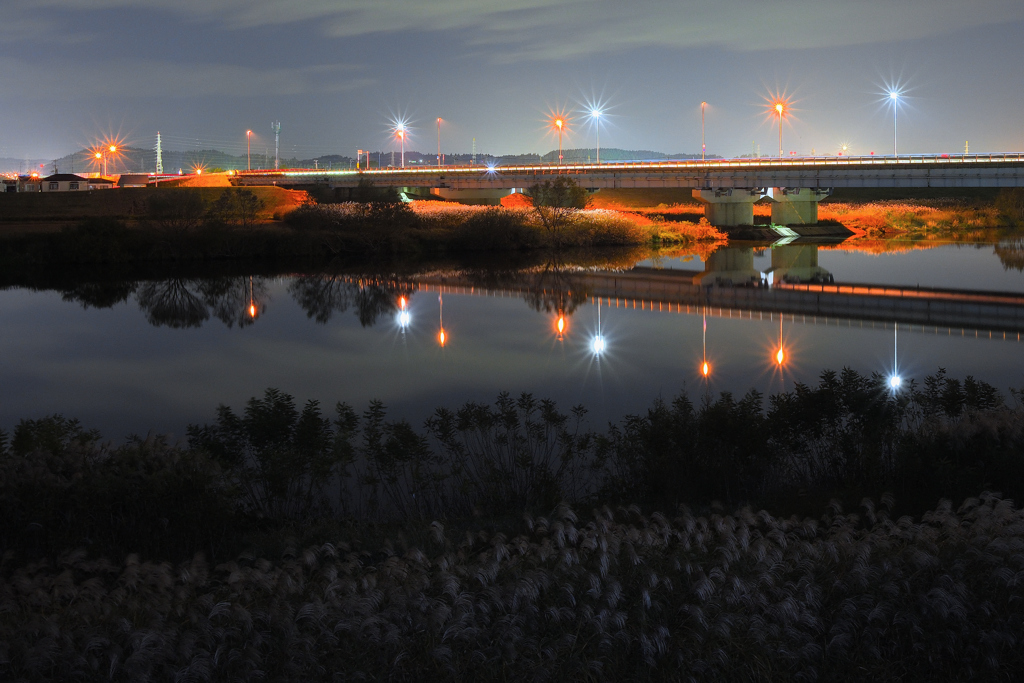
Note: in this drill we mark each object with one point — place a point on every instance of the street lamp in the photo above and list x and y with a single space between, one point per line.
781 109
439 142
248 147
99 155
703 147
596 114
401 136
559 123
894 97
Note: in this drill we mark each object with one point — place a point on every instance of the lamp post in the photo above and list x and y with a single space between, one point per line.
401 136
703 147
894 97
99 155
248 150
596 113
439 142
559 123
781 109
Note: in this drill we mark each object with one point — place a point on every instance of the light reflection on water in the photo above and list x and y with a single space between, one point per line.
129 356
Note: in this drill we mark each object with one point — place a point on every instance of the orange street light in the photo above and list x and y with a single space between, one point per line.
401 136
559 123
439 142
703 147
780 108
248 148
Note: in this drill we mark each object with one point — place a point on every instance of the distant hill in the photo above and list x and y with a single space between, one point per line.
136 159
12 165
583 155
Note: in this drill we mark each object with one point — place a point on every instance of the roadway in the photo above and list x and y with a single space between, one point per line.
909 171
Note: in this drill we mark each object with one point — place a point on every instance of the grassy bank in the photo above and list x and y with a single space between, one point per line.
180 224
509 541
130 203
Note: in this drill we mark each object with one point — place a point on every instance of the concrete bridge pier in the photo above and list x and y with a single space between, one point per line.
796 205
729 207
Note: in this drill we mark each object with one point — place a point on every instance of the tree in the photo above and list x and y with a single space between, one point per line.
240 207
556 201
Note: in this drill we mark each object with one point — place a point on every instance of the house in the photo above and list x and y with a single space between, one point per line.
101 184
69 182
64 182
133 180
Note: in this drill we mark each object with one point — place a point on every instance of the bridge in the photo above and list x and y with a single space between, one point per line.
728 188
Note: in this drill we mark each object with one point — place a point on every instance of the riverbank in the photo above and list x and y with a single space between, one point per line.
151 225
178 224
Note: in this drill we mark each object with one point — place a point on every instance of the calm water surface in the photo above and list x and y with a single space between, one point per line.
159 354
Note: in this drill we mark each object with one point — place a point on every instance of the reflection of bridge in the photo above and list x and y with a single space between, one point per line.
682 291
728 188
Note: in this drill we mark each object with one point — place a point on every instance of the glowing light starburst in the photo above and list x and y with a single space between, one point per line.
107 152
893 97
559 124
778 107
595 113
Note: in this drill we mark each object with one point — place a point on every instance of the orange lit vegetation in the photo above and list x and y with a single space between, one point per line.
934 219
585 227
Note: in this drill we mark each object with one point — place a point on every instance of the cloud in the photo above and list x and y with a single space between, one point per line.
40 79
554 29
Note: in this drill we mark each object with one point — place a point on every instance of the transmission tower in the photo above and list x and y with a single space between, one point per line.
159 155
276 127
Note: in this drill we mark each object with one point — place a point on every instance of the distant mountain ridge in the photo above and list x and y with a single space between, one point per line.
136 159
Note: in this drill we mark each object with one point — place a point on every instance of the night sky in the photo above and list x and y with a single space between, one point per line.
334 73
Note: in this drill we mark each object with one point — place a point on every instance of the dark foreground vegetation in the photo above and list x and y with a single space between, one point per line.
509 541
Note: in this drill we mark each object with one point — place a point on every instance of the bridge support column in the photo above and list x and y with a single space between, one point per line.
796 205
728 207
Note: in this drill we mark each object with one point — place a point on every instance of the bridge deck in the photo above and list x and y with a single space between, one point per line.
940 171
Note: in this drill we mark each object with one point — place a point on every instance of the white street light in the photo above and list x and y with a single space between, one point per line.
596 114
894 97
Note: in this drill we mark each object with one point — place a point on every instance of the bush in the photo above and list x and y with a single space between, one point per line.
237 207
60 488
496 229
1010 204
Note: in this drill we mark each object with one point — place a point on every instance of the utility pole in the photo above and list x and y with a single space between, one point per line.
276 127
473 160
